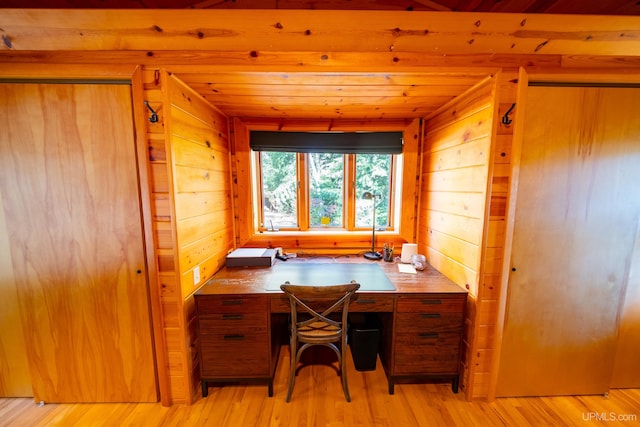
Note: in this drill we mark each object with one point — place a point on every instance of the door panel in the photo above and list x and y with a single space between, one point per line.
577 212
68 179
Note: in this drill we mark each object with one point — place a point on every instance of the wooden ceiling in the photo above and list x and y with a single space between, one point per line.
337 95
308 95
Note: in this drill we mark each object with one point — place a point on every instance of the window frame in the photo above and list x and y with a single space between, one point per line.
349 196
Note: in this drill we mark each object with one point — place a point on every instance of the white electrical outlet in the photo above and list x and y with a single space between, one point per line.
196 275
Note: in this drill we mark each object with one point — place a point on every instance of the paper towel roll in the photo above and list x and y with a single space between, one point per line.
408 250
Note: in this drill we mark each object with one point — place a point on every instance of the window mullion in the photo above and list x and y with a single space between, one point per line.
303 191
259 194
392 191
350 192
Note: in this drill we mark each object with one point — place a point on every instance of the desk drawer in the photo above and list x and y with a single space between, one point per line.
211 304
372 303
429 322
427 353
234 355
431 304
364 303
220 323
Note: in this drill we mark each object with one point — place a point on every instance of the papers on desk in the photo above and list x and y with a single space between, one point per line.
407 268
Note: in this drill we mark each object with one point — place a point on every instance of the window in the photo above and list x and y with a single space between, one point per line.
373 174
323 191
326 189
279 193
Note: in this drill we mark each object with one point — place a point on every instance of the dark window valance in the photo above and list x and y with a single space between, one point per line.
327 142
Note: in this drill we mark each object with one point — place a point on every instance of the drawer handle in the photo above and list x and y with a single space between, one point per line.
431 301
232 317
365 301
232 302
235 337
428 335
430 315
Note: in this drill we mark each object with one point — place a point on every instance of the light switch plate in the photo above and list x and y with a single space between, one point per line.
196 275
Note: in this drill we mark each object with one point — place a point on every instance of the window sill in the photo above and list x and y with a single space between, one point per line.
327 232
321 241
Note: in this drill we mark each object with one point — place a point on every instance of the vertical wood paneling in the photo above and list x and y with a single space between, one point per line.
410 180
164 235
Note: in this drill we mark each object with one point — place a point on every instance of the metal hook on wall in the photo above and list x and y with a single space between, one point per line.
154 115
505 119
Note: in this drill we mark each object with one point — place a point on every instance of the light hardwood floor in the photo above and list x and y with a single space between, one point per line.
318 401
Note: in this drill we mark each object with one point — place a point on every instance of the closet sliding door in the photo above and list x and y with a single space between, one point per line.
70 192
576 222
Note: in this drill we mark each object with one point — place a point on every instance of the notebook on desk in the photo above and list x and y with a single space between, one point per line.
370 276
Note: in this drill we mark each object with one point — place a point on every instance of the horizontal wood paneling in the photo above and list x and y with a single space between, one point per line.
455 181
458 203
448 245
201 203
449 155
257 123
472 124
464 227
193 228
198 163
199 155
472 179
192 254
197 180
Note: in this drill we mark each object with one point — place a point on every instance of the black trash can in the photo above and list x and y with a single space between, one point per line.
364 339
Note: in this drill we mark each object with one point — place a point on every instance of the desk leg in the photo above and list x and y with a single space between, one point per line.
454 383
205 388
391 386
271 388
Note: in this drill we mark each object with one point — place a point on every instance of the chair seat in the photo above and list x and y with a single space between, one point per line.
319 331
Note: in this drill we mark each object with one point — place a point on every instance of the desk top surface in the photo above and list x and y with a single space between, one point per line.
385 278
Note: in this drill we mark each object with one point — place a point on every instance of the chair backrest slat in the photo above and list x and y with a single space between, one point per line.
300 296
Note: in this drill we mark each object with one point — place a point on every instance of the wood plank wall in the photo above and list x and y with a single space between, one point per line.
455 168
193 220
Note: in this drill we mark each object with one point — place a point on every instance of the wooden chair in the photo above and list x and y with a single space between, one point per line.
315 327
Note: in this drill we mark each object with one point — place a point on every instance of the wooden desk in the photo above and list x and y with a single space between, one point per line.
242 324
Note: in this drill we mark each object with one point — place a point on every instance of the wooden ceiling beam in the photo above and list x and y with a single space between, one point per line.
436 33
321 62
